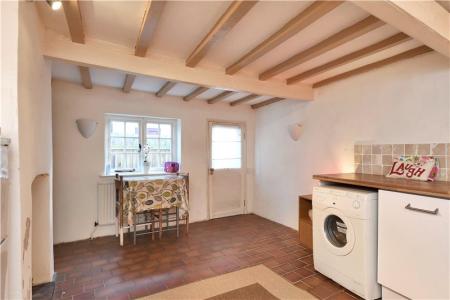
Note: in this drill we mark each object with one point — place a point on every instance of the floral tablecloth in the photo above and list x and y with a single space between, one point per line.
154 192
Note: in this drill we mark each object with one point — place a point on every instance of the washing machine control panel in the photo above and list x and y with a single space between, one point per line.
353 204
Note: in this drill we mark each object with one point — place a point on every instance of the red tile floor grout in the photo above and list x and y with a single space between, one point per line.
101 269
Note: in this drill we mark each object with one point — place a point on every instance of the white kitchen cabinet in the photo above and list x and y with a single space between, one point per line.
414 245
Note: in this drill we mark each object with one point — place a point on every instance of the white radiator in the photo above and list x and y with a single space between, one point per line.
106 197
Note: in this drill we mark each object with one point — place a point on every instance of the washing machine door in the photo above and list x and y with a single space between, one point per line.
337 232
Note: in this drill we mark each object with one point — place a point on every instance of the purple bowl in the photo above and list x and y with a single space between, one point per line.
171 167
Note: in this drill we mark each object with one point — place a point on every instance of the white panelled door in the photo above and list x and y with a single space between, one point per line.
226 169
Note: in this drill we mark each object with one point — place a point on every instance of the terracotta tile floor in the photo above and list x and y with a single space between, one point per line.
102 269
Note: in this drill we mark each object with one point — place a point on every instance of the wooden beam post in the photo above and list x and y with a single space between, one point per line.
165 88
267 102
244 99
425 21
356 30
148 27
195 93
85 77
75 24
404 55
370 50
234 13
74 20
220 97
105 55
308 16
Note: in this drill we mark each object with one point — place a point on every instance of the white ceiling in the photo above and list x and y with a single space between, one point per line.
184 23
111 78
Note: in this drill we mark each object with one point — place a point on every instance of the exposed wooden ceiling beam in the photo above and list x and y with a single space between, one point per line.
356 30
165 88
425 21
75 24
244 99
308 16
234 13
85 77
220 97
148 26
129 79
195 93
266 102
370 50
74 20
113 57
404 55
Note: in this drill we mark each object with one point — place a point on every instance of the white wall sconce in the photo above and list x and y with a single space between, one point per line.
295 131
86 127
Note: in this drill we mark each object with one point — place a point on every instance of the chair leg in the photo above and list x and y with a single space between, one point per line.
178 223
134 230
152 225
160 223
187 223
167 218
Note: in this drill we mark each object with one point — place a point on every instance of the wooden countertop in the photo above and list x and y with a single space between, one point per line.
439 189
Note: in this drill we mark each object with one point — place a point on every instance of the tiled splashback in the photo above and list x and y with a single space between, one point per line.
377 159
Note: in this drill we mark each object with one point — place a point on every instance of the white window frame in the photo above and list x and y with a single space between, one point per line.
142 136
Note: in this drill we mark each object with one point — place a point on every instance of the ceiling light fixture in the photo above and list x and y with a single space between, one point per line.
54 4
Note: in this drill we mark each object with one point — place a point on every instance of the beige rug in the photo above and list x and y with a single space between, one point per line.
255 283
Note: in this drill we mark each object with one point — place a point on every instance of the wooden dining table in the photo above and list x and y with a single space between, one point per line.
140 194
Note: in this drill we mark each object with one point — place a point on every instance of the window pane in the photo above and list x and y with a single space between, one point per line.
117 143
152 130
221 133
226 164
166 130
132 143
226 146
132 129
124 160
117 128
226 150
165 144
153 143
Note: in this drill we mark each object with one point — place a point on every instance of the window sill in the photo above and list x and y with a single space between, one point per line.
136 173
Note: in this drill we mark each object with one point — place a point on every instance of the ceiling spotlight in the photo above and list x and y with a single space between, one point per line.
54 4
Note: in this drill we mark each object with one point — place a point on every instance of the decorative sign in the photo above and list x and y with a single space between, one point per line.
414 167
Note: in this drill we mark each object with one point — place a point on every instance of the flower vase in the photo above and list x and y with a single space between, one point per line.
146 167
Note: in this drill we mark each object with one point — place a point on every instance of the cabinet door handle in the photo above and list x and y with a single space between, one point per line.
431 212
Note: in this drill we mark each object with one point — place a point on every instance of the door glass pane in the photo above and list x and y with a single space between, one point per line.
226 147
336 231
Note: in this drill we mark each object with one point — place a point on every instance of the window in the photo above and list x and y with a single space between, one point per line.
226 146
132 140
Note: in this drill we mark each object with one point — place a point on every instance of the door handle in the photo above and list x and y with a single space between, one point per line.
431 212
211 171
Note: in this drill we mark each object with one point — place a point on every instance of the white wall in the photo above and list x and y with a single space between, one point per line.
9 123
26 119
35 140
407 102
78 162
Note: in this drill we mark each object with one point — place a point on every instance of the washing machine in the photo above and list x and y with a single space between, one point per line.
345 237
